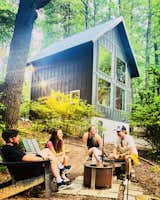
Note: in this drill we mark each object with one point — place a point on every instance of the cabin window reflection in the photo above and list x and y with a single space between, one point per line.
75 94
104 89
121 69
105 60
120 99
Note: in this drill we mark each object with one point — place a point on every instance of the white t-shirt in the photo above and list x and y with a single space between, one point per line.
124 144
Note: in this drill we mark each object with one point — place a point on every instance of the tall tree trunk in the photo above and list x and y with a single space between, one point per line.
67 19
148 35
119 7
156 60
108 14
86 12
94 12
18 54
131 17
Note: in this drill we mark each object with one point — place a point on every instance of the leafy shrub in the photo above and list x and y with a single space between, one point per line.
3 169
24 109
60 110
147 115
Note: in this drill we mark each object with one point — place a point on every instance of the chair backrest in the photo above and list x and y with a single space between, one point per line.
31 145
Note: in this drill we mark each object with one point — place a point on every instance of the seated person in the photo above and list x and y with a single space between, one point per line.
57 147
12 153
93 144
125 149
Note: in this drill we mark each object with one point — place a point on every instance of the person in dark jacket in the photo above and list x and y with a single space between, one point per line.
12 153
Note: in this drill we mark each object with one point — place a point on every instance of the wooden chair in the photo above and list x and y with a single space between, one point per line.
13 187
31 146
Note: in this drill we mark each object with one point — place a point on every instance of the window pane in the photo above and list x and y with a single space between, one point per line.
121 68
104 89
120 98
105 60
75 94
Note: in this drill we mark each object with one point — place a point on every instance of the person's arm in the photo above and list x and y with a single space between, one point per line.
51 147
114 154
100 142
84 140
62 153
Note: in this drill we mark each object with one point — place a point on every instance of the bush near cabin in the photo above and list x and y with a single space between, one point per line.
73 115
147 115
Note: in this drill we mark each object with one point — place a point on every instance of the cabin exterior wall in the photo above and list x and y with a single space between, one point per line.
65 72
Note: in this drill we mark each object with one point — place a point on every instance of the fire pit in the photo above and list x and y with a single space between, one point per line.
96 177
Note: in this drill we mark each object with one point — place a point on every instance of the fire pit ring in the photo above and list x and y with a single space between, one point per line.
96 177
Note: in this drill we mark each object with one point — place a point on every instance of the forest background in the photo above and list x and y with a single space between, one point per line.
60 19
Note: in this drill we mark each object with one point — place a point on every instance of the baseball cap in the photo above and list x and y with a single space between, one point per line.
123 128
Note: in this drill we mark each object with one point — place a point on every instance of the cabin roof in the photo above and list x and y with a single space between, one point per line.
89 35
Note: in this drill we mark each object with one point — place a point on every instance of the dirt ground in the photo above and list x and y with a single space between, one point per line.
146 176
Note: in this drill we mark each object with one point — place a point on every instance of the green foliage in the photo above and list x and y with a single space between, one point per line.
62 19
147 114
60 110
24 109
3 169
7 18
155 168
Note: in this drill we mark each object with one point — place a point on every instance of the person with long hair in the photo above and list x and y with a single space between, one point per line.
57 147
93 145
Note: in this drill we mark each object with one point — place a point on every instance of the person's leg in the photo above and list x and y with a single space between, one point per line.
128 163
56 166
48 155
97 155
65 160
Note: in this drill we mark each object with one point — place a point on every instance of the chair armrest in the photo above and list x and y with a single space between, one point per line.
24 162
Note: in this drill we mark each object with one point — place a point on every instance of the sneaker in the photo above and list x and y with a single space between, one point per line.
126 182
66 169
63 176
63 185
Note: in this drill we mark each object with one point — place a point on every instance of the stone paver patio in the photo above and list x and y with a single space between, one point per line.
78 189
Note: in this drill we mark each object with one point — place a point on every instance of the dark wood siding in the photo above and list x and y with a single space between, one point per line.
65 71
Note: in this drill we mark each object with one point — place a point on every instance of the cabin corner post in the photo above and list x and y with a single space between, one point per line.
94 73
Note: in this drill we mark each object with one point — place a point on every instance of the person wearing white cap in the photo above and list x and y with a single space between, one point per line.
125 148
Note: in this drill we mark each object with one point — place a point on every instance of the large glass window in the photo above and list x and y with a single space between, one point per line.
105 60
104 89
120 99
121 68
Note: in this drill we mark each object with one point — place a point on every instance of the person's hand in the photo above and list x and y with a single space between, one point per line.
113 156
